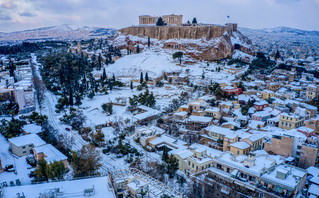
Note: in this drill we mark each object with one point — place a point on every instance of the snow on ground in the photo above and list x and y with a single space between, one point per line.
73 188
20 163
151 61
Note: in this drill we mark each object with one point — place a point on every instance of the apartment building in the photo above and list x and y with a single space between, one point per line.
290 121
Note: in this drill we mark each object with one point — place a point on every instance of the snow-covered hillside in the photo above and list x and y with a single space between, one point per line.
283 35
60 32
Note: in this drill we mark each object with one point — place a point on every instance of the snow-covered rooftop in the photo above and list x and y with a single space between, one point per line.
26 140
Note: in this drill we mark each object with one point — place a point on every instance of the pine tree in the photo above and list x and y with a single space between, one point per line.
41 170
179 56
146 77
160 22
91 95
194 20
137 49
78 99
171 166
141 78
165 154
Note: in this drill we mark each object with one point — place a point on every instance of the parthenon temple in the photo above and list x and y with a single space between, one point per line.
168 19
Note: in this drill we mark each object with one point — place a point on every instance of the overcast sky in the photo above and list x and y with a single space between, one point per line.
28 14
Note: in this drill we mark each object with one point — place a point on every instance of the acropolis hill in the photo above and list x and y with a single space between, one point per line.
201 41
177 30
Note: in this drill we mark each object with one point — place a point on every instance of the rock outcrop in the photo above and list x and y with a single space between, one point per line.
208 43
179 32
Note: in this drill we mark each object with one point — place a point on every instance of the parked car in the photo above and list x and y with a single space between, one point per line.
67 129
9 168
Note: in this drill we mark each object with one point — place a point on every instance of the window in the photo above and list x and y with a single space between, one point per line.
23 147
237 151
189 163
24 152
30 145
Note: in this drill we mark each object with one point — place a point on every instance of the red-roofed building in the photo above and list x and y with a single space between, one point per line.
259 106
229 90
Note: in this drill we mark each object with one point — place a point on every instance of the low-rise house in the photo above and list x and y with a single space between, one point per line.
50 154
240 148
256 141
23 145
273 86
229 90
229 139
261 116
259 106
31 128
167 141
312 92
267 94
197 105
197 123
313 123
183 108
145 134
198 161
213 112
145 115
181 115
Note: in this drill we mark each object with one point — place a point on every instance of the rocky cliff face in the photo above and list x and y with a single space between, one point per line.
208 43
178 32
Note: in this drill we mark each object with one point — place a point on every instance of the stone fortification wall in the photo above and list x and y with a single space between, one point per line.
178 32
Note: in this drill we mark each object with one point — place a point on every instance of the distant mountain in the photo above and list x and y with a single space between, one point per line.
281 30
281 36
61 32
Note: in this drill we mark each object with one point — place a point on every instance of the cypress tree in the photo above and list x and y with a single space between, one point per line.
137 49
131 86
113 78
104 75
141 78
194 20
71 98
148 41
146 76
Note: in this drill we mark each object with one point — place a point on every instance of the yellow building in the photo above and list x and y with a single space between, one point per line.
255 141
183 108
267 94
229 139
240 148
290 121
312 92
199 161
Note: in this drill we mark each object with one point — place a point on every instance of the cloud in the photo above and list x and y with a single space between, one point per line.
9 4
302 14
4 17
27 14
